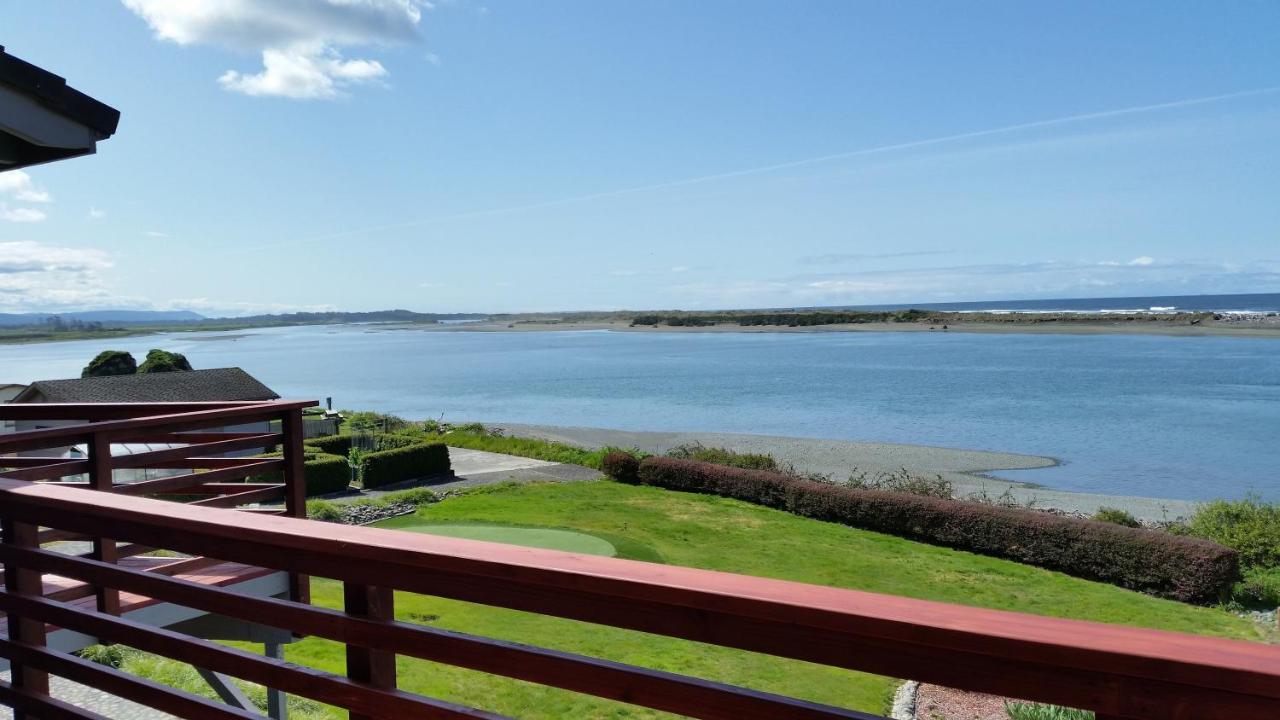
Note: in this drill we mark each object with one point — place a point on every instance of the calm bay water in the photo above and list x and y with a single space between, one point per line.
1158 416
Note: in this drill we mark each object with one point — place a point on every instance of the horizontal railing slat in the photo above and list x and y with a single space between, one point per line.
286 677
168 422
49 470
692 697
176 483
146 459
249 497
111 411
120 684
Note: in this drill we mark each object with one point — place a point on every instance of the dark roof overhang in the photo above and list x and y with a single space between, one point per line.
42 119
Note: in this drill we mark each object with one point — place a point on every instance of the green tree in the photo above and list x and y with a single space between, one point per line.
164 361
110 362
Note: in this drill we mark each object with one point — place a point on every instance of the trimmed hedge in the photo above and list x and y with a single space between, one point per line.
387 467
621 466
327 474
1181 568
330 444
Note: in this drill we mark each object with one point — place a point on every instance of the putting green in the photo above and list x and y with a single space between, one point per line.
546 538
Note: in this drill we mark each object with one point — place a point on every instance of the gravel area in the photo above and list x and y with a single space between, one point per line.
934 702
962 468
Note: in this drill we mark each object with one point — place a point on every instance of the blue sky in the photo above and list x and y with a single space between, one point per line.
508 156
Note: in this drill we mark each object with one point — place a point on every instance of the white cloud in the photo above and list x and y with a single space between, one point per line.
300 40
96 214
37 276
1143 261
21 214
18 185
680 269
156 234
1050 279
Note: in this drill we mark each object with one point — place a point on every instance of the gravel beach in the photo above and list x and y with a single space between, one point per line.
963 468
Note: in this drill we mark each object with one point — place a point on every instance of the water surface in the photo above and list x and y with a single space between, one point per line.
1182 417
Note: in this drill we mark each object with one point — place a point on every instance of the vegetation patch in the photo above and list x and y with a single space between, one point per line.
1162 564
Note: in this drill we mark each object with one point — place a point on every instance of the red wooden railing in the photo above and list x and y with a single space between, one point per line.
1120 672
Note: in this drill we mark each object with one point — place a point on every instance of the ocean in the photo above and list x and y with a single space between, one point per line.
1178 417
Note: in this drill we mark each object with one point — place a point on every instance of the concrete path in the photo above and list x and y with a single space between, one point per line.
94 700
479 467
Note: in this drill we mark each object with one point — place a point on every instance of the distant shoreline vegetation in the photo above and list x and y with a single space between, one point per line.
912 315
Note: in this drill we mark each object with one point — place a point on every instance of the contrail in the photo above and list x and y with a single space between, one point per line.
1069 119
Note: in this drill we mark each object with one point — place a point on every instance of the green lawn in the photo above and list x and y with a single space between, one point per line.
702 531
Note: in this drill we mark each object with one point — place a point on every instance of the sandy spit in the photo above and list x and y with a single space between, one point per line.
963 468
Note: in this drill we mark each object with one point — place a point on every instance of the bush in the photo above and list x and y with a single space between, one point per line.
110 362
393 442
1181 568
324 510
330 444
1116 516
1250 526
1032 711
388 467
164 361
1260 588
902 481
723 456
327 474
621 466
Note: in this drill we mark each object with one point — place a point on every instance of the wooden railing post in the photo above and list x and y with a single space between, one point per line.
295 490
22 581
104 548
367 665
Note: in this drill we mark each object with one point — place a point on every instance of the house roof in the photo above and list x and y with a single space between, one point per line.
42 119
191 386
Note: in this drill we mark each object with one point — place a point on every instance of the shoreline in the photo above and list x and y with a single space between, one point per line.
966 470
1243 330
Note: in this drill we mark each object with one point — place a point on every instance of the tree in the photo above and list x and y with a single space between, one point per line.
110 362
164 361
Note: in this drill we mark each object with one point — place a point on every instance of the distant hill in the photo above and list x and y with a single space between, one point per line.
321 318
103 316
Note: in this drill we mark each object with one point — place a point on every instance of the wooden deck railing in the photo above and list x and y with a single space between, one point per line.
1120 672
197 440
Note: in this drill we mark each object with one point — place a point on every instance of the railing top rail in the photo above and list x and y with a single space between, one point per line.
169 422
111 410
848 628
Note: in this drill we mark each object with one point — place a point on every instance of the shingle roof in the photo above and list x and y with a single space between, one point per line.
193 386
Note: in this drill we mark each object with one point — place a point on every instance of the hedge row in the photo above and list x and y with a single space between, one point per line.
1181 568
330 444
387 467
327 474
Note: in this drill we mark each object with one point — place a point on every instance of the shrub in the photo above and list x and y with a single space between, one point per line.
1260 588
330 444
1186 569
327 474
723 456
388 467
1116 516
324 510
1032 711
164 361
110 362
901 481
1250 526
393 442
112 656
621 466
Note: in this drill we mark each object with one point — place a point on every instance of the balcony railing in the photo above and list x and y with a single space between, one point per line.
1119 672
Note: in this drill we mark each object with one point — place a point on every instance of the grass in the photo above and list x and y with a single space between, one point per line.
721 534
545 538
1030 711
525 447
